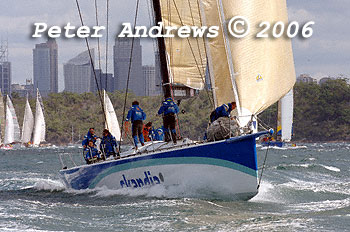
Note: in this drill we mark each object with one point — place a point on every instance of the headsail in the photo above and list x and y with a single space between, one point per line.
12 131
285 117
28 124
261 70
264 67
111 118
2 118
39 125
186 57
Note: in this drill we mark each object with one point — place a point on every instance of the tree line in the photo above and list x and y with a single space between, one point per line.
321 113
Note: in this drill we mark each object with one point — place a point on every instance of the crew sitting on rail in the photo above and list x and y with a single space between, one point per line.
158 135
169 109
89 136
91 153
222 111
109 145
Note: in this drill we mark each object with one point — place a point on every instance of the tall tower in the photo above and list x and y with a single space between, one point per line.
5 69
121 56
45 67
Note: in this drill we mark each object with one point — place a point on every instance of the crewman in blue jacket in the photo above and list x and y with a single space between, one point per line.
222 111
91 153
89 136
169 109
136 116
108 144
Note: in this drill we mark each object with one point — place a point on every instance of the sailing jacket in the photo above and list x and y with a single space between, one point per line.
91 152
108 144
135 114
89 137
168 107
221 111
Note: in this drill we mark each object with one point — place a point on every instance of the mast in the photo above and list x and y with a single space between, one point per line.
162 51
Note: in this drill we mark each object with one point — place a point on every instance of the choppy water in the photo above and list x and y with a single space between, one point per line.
302 190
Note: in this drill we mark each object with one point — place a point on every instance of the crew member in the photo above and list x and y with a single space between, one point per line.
89 136
169 109
136 115
91 153
147 131
222 111
109 144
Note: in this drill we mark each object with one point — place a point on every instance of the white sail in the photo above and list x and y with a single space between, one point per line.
11 118
112 123
28 124
39 125
2 118
287 116
9 127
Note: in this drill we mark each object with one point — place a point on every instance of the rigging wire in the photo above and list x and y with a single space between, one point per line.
107 36
92 62
98 39
129 71
262 170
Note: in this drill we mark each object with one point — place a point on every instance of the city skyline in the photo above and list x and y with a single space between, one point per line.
327 53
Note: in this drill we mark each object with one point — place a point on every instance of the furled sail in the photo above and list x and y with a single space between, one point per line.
111 118
186 57
285 117
2 118
12 131
39 124
264 67
28 124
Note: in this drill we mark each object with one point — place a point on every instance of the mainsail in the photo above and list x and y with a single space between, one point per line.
2 117
39 125
12 131
186 56
28 124
285 117
111 118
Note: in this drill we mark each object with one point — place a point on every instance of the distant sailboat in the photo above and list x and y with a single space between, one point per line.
28 124
12 130
2 118
111 118
39 125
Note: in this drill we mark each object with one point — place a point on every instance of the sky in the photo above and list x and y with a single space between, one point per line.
326 53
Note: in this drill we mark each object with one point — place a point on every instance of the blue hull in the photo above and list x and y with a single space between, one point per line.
273 144
234 157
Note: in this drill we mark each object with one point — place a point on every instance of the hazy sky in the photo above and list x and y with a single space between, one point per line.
326 53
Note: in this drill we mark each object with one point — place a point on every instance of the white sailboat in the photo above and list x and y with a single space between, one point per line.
2 118
254 73
39 124
28 124
112 123
12 130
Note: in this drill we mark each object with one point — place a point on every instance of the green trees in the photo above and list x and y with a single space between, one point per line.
321 113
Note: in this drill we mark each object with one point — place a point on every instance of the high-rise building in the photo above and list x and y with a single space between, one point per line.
45 67
149 80
105 81
5 69
121 55
78 73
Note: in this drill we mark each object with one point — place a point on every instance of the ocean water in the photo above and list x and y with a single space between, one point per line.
303 189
